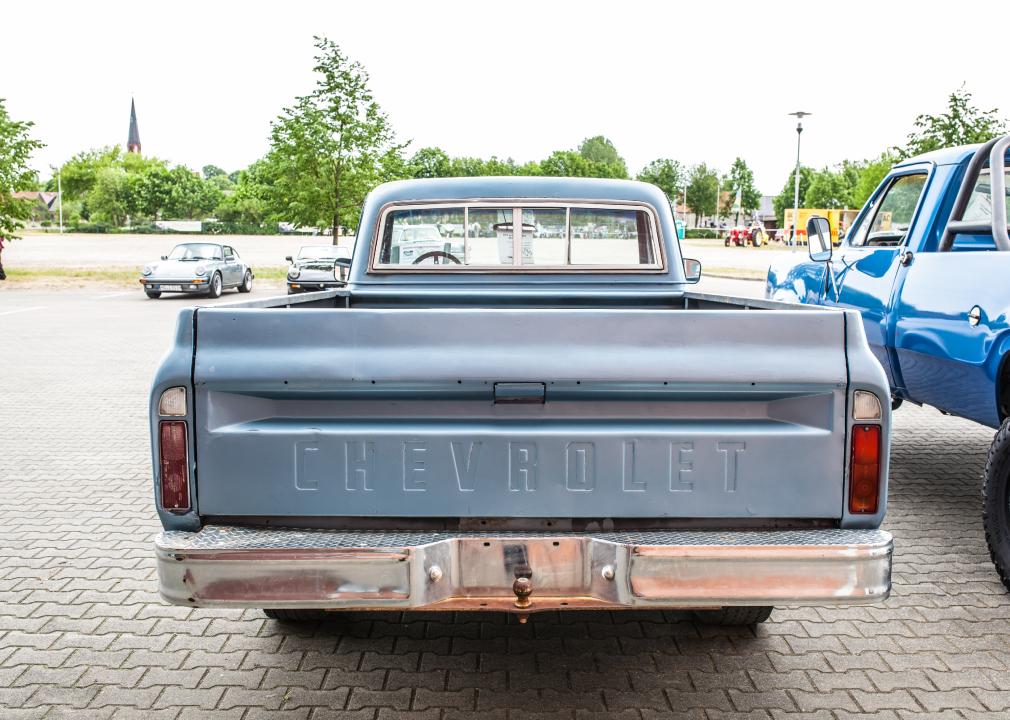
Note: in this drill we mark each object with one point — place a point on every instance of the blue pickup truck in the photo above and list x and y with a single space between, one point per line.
534 413
925 263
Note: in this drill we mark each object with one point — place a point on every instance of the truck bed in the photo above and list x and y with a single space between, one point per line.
327 407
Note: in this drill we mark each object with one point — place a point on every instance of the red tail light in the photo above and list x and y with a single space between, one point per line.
864 475
174 466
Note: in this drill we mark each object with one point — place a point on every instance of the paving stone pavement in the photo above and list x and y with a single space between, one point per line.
83 633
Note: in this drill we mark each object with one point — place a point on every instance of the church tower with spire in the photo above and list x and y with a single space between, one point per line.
133 141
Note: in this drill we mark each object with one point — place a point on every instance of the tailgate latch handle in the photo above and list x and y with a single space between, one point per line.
530 393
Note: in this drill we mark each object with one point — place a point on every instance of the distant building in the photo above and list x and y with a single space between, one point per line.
133 140
45 205
766 213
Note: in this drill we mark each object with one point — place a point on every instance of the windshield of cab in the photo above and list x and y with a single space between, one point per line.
547 235
321 252
195 251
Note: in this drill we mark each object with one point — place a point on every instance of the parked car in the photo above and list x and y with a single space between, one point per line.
199 268
925 264
568 427
317 267
423 244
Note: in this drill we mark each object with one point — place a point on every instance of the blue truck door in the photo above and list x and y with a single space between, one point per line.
863 271
952 320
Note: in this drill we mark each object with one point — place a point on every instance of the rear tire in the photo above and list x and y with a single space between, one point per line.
734 616
246 285
287 615
996 502
152 294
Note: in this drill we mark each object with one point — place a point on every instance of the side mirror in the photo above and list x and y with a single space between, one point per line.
288 258
164 257
343 262
819 239
692 270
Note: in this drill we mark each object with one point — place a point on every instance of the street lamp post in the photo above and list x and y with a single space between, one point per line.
59 194
717 186
799 115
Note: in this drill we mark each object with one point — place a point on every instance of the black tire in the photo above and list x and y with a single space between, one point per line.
296 616
996 502
154 295
216 286
734 616
896 402
246 285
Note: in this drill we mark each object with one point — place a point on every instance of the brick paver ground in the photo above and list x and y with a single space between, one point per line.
83 633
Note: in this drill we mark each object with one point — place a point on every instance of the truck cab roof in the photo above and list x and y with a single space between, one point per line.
943 156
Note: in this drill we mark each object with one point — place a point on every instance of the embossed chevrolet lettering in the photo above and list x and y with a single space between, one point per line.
516 404
580 467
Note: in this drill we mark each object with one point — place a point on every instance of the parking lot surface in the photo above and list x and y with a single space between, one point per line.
83 633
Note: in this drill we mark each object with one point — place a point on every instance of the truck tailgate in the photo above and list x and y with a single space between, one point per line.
568 413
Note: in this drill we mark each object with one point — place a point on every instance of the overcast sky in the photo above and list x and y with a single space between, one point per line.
698 81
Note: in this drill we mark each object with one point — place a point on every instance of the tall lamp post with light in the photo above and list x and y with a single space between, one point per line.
799 115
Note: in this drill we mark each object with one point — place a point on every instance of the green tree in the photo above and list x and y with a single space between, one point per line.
190 196
871 174
250 200
109 199
429 162
741 179
212 171
666 174
785 198
466 167
79 173
961 124
16 148
222 182
566 163
570 163
828 189
332 146
601 151
494 166
702 186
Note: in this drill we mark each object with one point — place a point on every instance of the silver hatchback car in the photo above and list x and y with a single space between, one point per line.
199 268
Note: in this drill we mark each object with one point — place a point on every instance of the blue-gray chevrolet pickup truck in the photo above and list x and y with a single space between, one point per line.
532 413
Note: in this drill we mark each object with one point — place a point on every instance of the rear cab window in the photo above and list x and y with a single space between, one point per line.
979 210
518 237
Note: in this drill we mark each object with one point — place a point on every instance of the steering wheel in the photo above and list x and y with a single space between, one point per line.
436 254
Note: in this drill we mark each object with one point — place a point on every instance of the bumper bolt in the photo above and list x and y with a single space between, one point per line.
608 572
434 573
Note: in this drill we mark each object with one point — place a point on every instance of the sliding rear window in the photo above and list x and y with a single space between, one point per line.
517 237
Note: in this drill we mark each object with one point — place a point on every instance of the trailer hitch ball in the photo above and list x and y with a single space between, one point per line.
523 586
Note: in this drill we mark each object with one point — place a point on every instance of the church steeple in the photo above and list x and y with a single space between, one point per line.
133 141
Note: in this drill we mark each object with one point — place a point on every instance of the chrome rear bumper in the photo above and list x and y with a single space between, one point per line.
222 566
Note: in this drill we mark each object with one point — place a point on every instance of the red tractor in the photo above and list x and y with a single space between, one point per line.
743 236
